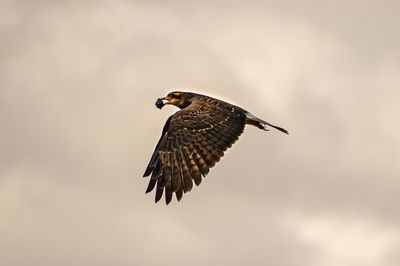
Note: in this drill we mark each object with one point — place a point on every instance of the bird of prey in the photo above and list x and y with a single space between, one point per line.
193 140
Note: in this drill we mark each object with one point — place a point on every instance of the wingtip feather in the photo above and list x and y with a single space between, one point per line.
148 171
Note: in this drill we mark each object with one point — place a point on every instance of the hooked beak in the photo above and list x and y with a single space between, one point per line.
162 101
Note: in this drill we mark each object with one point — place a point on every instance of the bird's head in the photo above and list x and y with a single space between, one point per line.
178 98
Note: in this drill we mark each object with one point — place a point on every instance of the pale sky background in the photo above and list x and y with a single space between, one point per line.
78 82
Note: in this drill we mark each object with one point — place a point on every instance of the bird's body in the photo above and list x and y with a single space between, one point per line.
193 140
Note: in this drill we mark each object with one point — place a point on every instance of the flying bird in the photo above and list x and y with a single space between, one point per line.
193 140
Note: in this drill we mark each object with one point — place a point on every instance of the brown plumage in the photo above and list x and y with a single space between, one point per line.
193 140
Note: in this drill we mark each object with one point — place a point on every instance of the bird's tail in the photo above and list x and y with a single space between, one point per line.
261 124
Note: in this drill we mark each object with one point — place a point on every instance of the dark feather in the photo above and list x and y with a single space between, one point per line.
179 193
151 185
175 174
154 158
168 193
159 191
186 175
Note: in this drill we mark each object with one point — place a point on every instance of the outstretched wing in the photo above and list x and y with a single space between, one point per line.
193 140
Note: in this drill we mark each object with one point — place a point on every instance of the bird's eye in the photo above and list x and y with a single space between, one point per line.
175 95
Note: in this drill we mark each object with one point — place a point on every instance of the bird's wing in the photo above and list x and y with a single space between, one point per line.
193 140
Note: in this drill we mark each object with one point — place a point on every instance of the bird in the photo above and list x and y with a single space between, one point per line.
193 140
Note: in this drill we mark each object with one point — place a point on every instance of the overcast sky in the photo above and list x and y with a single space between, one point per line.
78 82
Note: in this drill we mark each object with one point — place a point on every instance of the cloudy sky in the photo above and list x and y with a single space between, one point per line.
78 82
